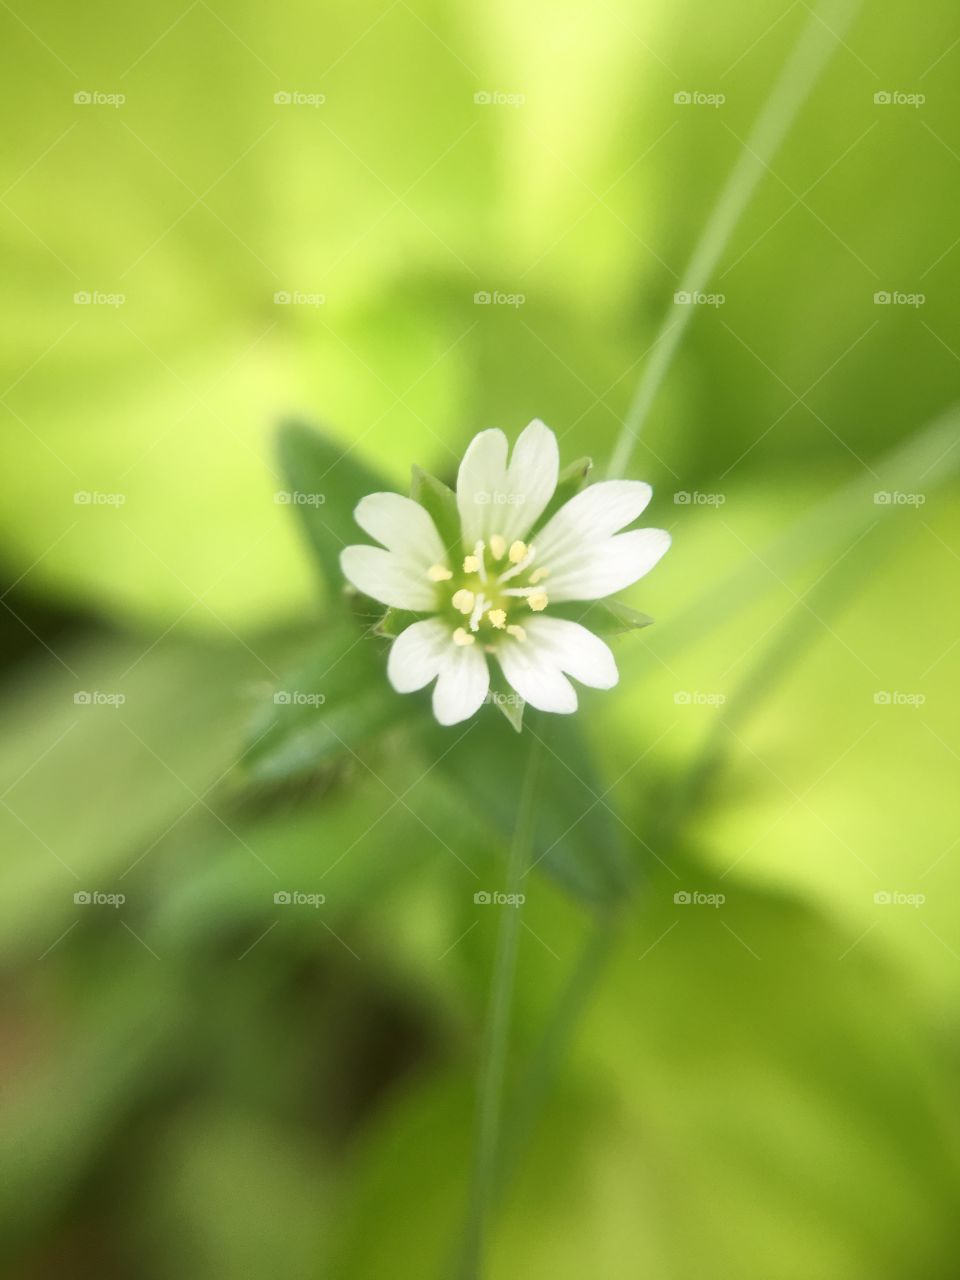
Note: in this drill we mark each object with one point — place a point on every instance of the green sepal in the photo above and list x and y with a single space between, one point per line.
604 617
571 480
394 621
507 701
440 502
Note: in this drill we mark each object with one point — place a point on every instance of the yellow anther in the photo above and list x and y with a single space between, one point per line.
463 600
518 633
471 564
463 638
498 546
439 573
538 575
538 601
498 617
518 552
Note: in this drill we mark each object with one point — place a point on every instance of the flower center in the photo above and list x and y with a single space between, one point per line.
495 587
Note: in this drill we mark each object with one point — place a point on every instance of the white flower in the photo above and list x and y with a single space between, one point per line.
492 594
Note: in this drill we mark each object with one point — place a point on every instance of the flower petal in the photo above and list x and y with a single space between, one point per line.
417 655
530 483
463 684
493 497
574 649
538 681
594 514
483 472
392 579
600 569
402 525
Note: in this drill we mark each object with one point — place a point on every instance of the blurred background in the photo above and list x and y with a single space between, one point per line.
406 222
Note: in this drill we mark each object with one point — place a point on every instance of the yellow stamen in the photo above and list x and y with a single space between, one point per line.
439 573
518 633
498 546
498 617
471 564
518 552
538 601
538 575
463 638
463 600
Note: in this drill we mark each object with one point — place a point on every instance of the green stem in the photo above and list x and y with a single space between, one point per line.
548 1057
494 1053
801 71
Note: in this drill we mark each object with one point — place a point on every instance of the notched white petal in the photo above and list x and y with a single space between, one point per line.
482 473
402 526
462 685
602 569
416 655
591 516
389 578
540 683
574 649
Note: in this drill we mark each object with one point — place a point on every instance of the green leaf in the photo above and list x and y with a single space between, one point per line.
324 710
576 840
326 481
441 502
571 480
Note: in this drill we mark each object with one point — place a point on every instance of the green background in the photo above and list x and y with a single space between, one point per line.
203 1082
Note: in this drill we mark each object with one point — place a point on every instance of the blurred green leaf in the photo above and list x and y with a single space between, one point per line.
575 837
326 482
325 709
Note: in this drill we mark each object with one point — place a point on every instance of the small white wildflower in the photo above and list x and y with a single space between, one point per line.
491 596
